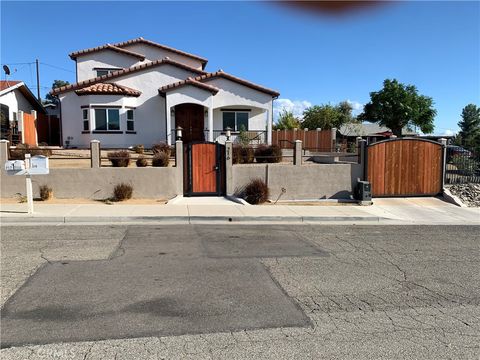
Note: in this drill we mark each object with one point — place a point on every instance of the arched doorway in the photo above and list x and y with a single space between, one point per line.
191 118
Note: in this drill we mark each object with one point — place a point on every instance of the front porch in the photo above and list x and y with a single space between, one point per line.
202 123
205 114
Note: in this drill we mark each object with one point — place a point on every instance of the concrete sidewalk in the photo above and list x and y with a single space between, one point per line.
384 211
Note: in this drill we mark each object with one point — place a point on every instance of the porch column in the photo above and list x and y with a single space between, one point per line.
168 116
210 120
269 125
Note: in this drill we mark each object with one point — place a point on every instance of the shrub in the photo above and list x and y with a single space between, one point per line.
141 161
162 147
161 159
256 192
243 154
46 192
21 149
268 154
139 149
119 158
122 192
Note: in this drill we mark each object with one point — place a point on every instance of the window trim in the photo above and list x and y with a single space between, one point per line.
236 112
107 130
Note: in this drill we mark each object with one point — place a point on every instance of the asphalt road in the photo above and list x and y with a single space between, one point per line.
206 291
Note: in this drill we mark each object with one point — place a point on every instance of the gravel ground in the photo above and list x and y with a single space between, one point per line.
468 193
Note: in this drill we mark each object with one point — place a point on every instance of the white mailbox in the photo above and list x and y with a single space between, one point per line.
15 165
38 165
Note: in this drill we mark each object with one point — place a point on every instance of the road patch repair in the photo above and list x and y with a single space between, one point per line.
157 283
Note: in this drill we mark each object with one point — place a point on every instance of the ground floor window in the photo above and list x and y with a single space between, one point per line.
86 125
130 121
107 119
235 120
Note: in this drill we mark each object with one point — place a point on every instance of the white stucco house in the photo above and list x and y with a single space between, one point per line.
15 100
138 92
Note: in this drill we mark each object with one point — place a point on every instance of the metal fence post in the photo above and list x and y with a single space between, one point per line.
297 153
363 157
95 159
443 141
229 167
179 166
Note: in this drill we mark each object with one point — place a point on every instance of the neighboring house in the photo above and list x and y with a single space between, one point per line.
17 103
138 92
369 131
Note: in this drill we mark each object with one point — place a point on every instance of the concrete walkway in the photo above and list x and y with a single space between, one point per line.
384 211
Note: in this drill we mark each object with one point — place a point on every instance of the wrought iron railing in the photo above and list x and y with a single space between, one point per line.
462 166
251 137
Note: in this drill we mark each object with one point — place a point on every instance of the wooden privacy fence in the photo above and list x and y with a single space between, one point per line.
320 140
29 129
405 167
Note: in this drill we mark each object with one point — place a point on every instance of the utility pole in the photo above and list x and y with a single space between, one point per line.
38 82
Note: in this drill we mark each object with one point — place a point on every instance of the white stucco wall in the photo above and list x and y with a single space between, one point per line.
234 94
150 121
103 59
15 102
153 53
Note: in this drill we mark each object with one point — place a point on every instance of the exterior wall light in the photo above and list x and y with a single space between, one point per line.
179 133
228 132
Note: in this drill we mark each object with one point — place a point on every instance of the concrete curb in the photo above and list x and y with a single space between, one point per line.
183 219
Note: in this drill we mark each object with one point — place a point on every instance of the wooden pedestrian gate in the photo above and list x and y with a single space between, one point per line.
204 171
405 167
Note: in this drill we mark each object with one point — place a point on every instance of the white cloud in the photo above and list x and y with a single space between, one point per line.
295 106
449 132
356 106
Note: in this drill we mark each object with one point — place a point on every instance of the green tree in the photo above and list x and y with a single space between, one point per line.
397 106
53 99
345 110
470 127
322 116
286 121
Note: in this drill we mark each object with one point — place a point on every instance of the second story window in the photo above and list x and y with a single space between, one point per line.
107 119
102 72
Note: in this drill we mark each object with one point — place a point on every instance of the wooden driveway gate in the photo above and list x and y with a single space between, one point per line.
405 167
204 172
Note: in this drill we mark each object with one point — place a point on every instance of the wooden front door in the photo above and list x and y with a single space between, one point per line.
205 169
191 118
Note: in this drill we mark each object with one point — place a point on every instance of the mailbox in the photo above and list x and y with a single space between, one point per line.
38 165
15 165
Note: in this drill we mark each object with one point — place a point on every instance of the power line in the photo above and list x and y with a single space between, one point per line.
57 67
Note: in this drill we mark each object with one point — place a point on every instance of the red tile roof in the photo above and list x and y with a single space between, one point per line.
108 89
76 54
152 43
5 84
221 73
122 72
189 81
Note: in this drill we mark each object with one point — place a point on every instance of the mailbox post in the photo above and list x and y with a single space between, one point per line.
32 165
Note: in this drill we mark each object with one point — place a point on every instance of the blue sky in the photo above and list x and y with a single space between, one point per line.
309 58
